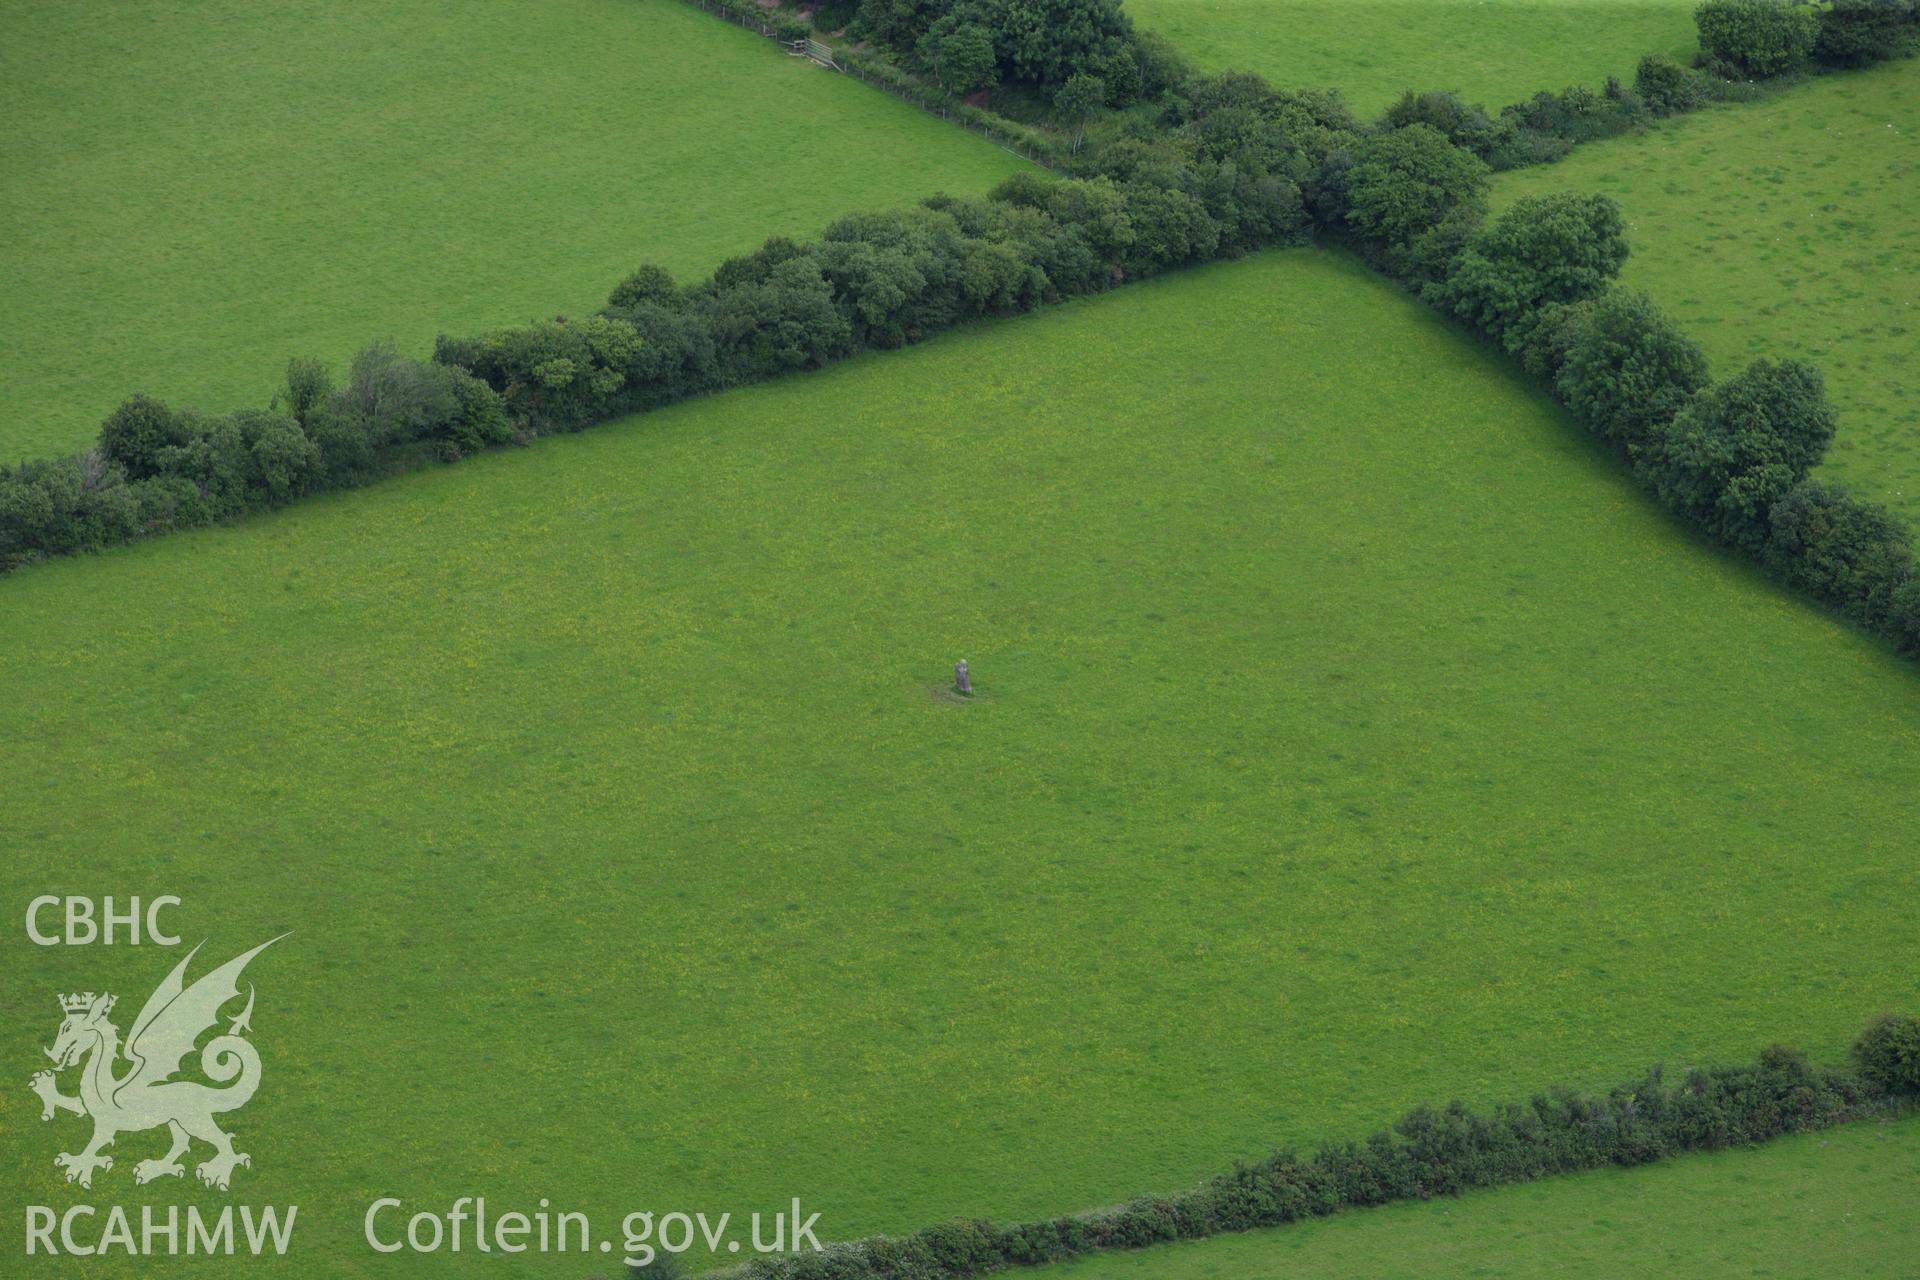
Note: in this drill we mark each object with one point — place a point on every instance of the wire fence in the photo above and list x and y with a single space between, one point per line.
951 110
792 34
749 16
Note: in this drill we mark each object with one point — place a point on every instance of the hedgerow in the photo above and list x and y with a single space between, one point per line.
1219 166
1743 43
1735 459
872 281
1432 1151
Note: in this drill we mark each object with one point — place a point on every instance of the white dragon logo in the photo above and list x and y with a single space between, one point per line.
147 1096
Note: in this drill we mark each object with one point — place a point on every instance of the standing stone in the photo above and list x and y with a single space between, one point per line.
960 680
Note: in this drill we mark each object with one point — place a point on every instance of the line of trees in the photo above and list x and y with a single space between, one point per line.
1734 458
1433 1151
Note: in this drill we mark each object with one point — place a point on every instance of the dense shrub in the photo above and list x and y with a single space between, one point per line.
1302 140
1543 250
1163 69
1760 37
1519 148
1547 337
897 24
1626 368
1078 100
51 507
1903 616
833 15
1668 88
961 55
646 284
1465 124
248 458
1045 42
561 372
1578 114
136 434
308 384
1888 1054
1854 555
389 399
1857 33
1537 131
971 44
1739 447
1402 185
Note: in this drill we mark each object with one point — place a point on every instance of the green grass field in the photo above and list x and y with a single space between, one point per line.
1493 51
1786 228
194 193
1351 734
1838 1203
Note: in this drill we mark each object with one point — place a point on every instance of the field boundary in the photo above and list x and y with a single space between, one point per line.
1409 194
796 35
1431 1152
775 24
